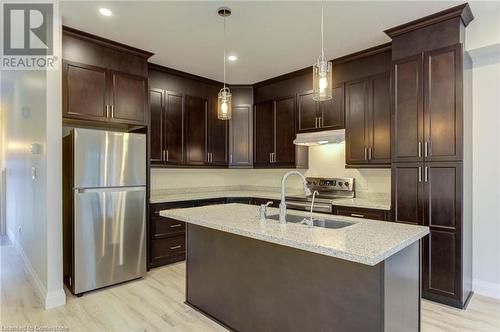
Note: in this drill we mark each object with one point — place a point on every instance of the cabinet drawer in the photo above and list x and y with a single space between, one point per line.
360 212
163 227
168 250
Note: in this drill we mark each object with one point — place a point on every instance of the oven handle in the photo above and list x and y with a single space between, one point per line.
307 206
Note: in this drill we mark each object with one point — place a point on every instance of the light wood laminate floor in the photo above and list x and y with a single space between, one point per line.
156 304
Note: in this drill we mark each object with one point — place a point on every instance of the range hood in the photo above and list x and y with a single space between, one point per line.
320 137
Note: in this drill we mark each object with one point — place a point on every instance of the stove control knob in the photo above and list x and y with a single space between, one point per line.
346 184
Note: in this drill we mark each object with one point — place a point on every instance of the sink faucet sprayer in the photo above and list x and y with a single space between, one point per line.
307 191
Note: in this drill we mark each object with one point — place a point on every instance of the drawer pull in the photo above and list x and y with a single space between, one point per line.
157 213
175 247
176 225
357 215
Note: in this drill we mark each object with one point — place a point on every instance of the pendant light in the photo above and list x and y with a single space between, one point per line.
224 107
322 73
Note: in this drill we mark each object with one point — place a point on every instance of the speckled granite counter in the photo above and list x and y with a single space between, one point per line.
365 200
367 241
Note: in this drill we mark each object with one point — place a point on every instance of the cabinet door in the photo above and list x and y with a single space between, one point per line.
407 201
217 138
174 128
407 114
285 131
196 130
443 215
240 136
307 112
84 92
443 104
379 124
156 109
264 132
356 122
128 98
333 110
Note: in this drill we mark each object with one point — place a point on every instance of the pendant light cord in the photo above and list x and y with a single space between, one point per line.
224 52
322 37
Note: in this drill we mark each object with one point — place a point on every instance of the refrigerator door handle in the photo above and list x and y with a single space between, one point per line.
83 190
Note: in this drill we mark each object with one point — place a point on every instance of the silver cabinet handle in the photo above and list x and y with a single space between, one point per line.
166 155
419 149
107 111
426 174
175 247
157 213
274 157
112 110
369 153
426 149
419 174
231 158
271 157
366 151
357 215
176 225
320 121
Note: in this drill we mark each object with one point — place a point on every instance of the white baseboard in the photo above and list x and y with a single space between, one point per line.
486 288
49 299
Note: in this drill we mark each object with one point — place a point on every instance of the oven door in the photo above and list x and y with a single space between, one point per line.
306 206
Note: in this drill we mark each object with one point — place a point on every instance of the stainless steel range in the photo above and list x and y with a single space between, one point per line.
329 189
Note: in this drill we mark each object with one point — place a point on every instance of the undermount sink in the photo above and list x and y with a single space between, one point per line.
325 223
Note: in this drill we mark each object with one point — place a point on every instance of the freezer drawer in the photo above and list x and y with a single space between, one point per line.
109 236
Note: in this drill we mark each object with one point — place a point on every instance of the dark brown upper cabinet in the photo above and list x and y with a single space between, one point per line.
368 121
97 94
264 133
427 99
217 143
196 133
284 123
166 127
104 82
324 115
241 128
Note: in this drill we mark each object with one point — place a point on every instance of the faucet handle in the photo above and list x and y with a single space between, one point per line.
263 210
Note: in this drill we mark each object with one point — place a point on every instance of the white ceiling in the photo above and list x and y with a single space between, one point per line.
269 38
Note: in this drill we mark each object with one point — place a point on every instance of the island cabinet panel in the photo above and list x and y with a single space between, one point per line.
347 296
196 133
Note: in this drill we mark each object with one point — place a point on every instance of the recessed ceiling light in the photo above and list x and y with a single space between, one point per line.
232 58
105 12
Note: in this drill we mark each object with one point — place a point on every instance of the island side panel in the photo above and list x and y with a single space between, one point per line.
402 290
253 285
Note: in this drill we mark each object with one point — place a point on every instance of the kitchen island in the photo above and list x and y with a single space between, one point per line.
253 275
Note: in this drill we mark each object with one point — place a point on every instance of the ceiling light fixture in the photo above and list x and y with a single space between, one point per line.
224 98
232 58
322 73
105 12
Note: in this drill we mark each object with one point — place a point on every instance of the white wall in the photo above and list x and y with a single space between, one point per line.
329 161
31 107
324 161
483 43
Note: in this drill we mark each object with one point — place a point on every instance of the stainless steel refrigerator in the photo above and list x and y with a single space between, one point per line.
104 208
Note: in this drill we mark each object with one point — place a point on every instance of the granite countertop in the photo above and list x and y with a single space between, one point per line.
367 242
375 201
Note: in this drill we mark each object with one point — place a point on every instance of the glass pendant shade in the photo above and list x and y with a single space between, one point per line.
322 80
224 105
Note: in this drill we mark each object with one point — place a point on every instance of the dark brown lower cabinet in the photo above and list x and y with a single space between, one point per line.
431 194
364 213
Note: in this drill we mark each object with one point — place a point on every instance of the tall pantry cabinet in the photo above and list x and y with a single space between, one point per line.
431 147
